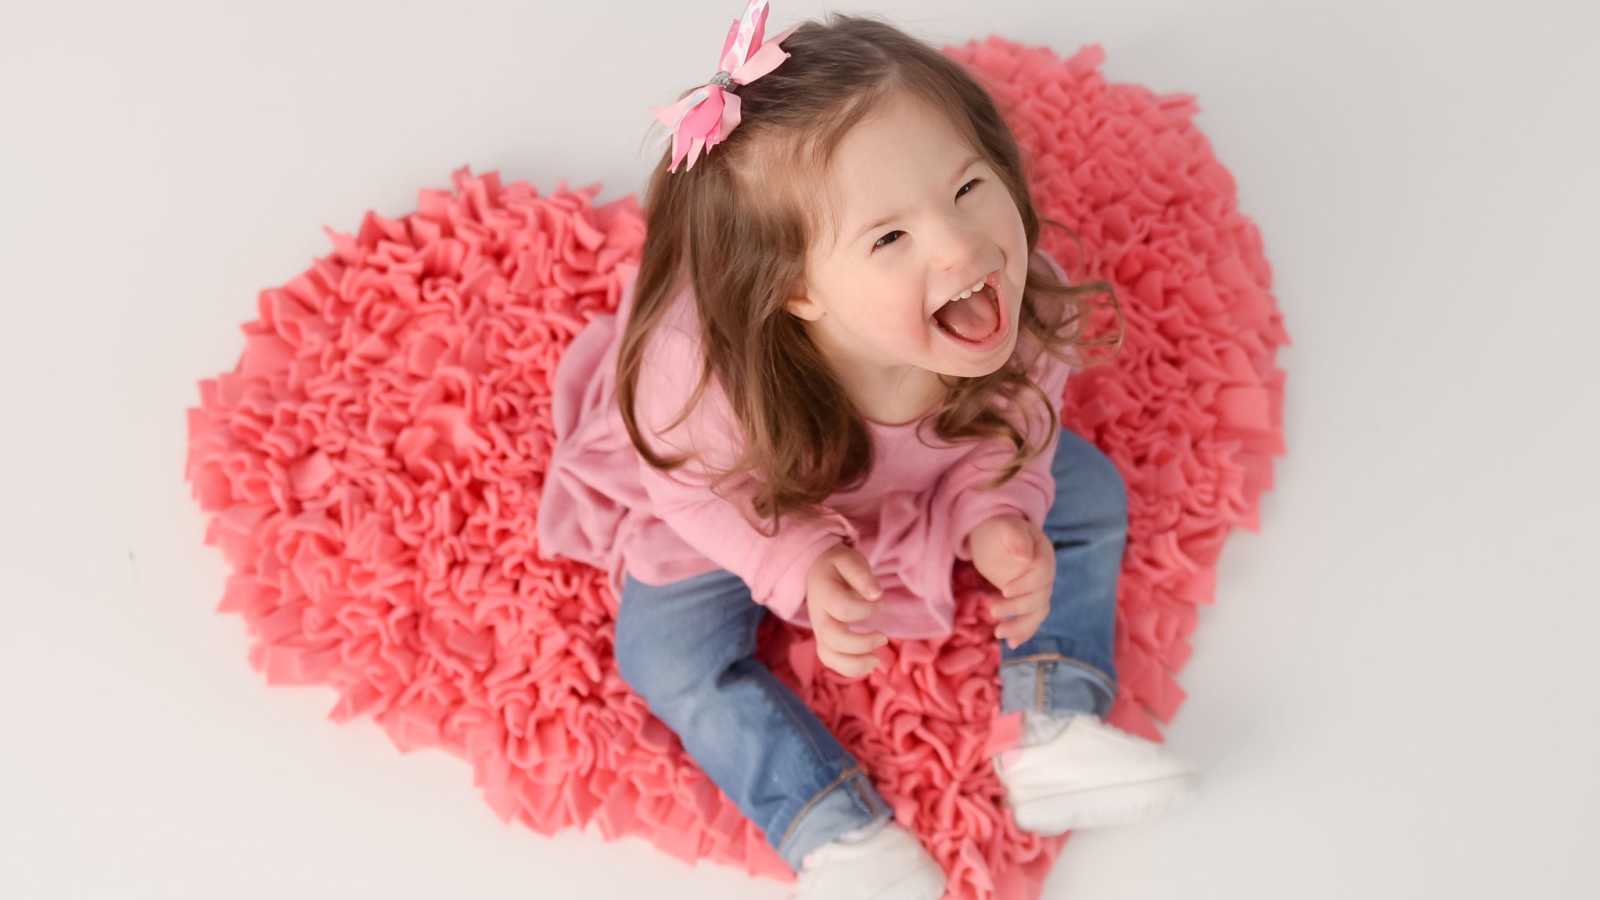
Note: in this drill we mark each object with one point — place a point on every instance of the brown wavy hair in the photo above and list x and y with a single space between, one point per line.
738 226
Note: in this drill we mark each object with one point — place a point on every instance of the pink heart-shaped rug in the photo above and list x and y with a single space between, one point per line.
372 468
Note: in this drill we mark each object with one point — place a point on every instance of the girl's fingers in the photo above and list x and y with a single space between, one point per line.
1022 588
1039 576
845 664
1018 631
857 574
1015 606
846 607
1021 628
838 637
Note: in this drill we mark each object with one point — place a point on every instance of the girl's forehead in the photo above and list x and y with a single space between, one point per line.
896 132
882 164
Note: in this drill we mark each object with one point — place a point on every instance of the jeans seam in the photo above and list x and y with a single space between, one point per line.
851 772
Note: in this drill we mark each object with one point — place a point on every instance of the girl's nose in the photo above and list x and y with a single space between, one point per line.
960 246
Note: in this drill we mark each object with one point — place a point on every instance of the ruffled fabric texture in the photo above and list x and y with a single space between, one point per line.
371 469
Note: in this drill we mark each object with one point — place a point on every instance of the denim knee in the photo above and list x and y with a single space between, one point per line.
664 657
648 665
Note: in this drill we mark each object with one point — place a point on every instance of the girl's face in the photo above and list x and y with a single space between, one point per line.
919 218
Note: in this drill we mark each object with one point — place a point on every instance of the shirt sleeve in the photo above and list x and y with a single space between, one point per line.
721 526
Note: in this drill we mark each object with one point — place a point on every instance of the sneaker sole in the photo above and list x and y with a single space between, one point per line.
1122 804
923 881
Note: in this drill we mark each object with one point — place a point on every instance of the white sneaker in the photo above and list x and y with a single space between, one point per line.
1087 774
880 862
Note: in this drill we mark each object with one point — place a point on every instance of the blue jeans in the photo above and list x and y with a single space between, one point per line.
687 648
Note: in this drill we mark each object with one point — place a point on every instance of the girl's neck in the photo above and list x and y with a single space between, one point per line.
889 396
899 399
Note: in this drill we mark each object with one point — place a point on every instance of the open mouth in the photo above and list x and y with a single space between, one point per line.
979 320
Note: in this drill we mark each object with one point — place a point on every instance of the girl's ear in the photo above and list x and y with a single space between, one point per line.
805 308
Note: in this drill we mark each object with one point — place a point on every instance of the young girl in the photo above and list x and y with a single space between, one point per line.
837 376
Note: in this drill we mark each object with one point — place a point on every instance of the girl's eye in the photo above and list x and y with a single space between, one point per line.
879 243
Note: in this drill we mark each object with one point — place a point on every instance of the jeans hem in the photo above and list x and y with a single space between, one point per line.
1043 663
853 783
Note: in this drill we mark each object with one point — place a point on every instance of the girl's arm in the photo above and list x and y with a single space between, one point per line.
774 567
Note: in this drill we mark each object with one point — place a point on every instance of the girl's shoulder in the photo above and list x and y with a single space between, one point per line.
673 354
670 369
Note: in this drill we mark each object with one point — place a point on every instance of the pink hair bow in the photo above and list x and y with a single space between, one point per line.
710 113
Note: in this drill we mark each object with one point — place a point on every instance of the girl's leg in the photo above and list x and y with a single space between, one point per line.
1067 665
688 649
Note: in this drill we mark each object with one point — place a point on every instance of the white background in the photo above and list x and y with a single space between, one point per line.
1392 697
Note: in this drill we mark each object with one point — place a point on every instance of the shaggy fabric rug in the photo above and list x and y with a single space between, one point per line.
371 470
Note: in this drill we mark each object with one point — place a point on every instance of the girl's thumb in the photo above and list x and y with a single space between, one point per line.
861 578
1018 543
869 588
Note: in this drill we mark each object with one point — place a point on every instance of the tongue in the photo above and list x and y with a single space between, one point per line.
974 318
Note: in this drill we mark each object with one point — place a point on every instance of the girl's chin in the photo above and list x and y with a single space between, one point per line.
969 367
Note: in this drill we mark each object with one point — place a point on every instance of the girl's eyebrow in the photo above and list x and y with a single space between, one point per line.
965 164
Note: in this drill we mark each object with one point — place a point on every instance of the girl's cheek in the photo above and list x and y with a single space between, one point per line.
892 319
915 327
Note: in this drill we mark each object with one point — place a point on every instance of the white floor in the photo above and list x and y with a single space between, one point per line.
1392 697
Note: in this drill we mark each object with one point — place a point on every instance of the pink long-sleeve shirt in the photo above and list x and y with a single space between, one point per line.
602 504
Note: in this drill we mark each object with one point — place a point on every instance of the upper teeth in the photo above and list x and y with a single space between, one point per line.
967 293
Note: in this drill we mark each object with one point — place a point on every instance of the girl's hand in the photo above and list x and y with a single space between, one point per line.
839 590
1016 557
